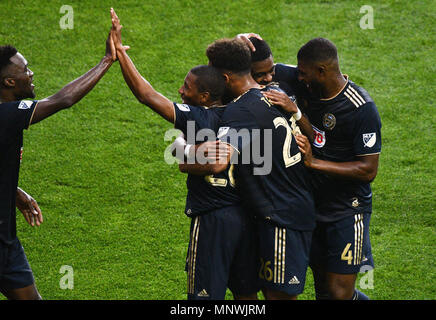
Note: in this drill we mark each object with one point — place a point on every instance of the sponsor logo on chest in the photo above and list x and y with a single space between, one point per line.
319 139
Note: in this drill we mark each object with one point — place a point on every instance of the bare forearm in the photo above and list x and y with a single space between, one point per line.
352 170
306 128
72 92
142 89
77 89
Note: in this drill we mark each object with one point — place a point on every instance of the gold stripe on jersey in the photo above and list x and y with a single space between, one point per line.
193 255
357 95
354 97
350 97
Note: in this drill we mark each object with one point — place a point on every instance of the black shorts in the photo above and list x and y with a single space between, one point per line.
342 246
284 257
221 254
15 271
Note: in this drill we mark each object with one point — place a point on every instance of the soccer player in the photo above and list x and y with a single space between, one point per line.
263 71
344 158
17 114
221 249
274 189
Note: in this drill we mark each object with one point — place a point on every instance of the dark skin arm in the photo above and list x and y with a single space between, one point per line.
75 90
363 169
282 100
29 208
140 87
212 157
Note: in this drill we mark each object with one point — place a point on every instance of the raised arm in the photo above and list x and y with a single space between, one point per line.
139 86
75 90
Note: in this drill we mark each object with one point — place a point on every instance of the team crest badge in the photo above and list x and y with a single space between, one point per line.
319 140
329 121
369 139
355 203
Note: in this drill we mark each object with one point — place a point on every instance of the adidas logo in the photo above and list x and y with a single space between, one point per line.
294 280
203 293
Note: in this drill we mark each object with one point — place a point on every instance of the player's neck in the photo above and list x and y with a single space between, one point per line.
6 96
243 84
213 104
333 87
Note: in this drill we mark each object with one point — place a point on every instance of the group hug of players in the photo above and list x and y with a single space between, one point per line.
251 230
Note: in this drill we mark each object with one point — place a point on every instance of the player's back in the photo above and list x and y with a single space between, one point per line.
270 174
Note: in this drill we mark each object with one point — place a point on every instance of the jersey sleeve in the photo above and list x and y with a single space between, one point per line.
367 130
16 116
286 74
185 113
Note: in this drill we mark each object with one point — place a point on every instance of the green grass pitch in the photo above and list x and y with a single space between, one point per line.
113 208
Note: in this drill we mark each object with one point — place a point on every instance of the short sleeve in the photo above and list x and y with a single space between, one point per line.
185 113
367 130
16 116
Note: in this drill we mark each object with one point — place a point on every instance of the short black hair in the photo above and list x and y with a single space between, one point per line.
230 54
318 50
209 79
6 53
263 51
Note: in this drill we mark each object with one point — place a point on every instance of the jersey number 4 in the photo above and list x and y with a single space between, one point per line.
289 159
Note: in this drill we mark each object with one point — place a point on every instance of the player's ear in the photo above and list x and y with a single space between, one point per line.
8 82
204 98
226 78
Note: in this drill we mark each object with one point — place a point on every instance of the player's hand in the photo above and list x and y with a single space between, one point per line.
245 37
29 208
212 152
282 100
115 34
305 149
110 48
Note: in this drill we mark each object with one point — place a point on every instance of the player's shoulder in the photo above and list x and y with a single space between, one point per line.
357 95
13 106
186 107
285 68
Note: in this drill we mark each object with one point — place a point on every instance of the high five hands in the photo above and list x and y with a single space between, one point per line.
115 36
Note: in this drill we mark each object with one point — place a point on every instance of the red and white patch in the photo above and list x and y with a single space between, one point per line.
21 154
319 140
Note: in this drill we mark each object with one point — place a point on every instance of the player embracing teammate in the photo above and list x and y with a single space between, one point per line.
343 159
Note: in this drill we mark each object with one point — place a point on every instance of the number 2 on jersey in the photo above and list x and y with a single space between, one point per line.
289 159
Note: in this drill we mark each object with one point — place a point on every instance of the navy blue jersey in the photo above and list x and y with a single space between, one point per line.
205 193
14 118
271 177
346 126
